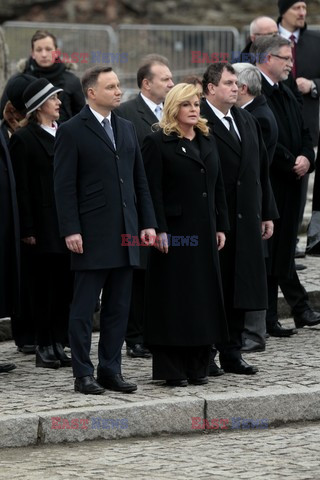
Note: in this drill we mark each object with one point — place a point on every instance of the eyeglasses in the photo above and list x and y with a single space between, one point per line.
286 59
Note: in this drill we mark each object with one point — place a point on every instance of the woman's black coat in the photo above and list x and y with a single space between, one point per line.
31 150
184 304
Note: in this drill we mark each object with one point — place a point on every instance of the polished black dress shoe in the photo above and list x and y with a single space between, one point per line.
7 367
277 330
88 385
240 367
300 267
176 383
138 351
27 349
45 357
214 370
61 355
116 383
308 318
250 346
198 381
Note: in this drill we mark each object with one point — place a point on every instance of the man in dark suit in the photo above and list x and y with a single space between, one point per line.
250 98
9 241
154 81
101 194
293 158
251 206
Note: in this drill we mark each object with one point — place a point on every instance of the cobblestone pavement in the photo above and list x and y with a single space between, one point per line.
287 365
275 454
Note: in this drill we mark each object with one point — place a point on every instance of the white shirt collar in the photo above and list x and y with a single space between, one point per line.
267 78
221 116
248 103
52 130
150 103
100 117
286 34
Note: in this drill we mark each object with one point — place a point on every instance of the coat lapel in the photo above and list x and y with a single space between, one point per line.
43 137
145 112
219 129
92 123
243 128
182 148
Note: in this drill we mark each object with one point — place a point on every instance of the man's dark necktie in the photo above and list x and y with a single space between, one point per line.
293 48
232 130
106 125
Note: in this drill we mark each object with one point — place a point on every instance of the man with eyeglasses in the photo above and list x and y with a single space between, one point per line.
293 158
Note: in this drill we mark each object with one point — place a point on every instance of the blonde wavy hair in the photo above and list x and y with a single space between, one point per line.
179 94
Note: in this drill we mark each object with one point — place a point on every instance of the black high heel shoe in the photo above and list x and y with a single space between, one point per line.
45 357
61 355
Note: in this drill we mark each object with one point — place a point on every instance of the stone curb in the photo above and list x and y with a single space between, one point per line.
171 416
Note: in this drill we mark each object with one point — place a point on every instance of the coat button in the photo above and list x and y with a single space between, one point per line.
121 180
124 204
239 215
258 216
204 194
202 170
238 183
117 157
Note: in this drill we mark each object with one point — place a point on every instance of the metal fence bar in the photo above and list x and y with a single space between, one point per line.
79 38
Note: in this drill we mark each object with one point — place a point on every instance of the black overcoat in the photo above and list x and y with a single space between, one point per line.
140 114
31 150
260 109
250 201
9 236
101 192
184 304
293 140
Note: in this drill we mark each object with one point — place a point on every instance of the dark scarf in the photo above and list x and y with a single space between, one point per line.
52 73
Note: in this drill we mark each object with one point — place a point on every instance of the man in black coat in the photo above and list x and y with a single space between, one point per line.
9 241
294 157
250 98
101 194
251 206
154 81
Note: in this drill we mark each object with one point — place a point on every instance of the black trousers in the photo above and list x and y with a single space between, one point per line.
115 304
179 363
24 324
134 333
230 351
294 293
53 287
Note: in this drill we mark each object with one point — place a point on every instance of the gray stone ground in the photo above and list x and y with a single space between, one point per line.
290 452
286 389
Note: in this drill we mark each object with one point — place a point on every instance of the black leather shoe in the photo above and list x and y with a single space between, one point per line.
277 330
176 383
138 351
214 370
300 267
27 349
198 381
308 318
61 355
116 383
88 385
45 357
7 367
252 346
240 367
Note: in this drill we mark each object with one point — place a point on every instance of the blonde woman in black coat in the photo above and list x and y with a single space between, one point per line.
31 149
184 305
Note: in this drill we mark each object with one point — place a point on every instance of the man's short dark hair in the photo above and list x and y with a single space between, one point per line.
146 64
264 45
214 72
40 35
90 77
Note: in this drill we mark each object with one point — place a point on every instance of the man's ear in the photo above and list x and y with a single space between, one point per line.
243 89
145 84
211 88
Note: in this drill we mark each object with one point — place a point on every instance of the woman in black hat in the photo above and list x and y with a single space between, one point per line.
31 149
